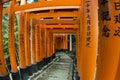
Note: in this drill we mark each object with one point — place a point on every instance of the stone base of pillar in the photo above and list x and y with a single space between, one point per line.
4 77
24 73
15 75
34 68
40 65
29 70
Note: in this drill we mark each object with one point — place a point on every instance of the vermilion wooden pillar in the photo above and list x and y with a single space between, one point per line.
11 42
21 38
66 42
27 40
48 45
33 54
37 43
108 67
3 70
42 27
11 38
21 45
89 44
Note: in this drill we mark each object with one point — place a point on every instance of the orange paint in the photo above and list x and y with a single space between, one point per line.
3 70
37 42
11 37
89 44
27 40
109 51
33 54
21 41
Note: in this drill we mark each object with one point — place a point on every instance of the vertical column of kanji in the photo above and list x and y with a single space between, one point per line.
14 70
3 70
27 43
108 58
90 40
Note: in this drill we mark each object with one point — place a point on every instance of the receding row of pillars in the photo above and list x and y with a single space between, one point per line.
36 49
98 49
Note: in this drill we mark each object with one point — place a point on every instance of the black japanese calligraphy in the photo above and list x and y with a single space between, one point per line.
88 45
105 16
106 31
87 10
89 22
117 18
88 39
88 33
88 27
103 2
88 3
117 32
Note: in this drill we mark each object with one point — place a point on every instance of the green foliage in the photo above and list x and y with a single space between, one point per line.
5 34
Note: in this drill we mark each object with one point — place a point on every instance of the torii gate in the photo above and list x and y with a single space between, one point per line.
92 63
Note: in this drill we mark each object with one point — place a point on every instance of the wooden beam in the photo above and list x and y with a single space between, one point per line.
75 26
58 14
65 31
55 21
45 5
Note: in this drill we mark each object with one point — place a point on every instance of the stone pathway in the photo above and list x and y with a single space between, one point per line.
61 69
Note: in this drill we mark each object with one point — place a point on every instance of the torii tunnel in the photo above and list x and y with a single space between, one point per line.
44 27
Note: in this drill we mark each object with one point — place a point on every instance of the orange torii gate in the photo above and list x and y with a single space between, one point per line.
60 45
84 17
3 70
61 39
